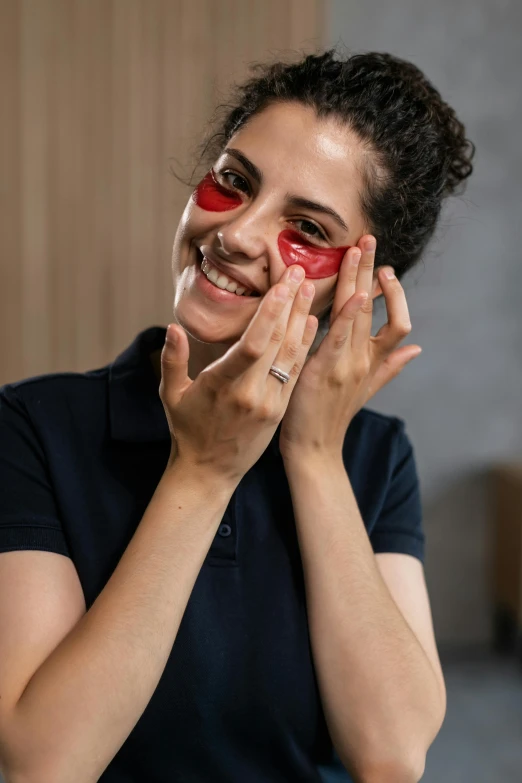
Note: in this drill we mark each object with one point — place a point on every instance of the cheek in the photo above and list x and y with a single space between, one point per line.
212 197
318 262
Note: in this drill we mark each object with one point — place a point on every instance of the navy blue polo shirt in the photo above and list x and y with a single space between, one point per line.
81 455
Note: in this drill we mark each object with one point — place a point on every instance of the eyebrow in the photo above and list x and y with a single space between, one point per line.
254 172
314 206
294 201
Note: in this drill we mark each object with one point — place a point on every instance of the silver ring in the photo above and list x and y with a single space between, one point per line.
279 374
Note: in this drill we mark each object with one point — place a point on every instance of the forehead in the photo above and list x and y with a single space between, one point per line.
294 147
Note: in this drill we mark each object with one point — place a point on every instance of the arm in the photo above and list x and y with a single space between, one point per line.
381 698
81 704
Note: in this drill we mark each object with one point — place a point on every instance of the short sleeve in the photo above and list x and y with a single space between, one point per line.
398 527
28 511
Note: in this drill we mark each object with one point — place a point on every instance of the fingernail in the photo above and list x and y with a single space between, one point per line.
389 273
370 244
297 274
170 337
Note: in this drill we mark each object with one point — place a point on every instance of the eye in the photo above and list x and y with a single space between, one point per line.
310 230
236 181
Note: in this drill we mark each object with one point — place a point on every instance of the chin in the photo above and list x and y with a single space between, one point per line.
203 330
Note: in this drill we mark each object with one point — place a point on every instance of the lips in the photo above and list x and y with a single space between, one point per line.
232 272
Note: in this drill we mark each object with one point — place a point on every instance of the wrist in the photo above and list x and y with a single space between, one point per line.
312 455
313 462
204 480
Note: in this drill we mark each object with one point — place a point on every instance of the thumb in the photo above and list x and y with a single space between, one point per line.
174 365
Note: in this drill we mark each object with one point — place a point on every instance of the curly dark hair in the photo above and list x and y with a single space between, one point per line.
417 149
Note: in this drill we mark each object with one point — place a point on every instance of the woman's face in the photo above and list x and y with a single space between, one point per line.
283 154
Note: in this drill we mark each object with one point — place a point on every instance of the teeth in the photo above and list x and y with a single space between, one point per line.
220 280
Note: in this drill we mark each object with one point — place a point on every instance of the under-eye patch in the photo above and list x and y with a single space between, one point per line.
213 197
317 262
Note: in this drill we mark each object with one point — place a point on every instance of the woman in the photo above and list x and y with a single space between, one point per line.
238 593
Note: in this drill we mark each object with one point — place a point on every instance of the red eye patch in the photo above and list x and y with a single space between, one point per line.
213 197
317 262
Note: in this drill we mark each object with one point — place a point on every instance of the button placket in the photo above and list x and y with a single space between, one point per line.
223 550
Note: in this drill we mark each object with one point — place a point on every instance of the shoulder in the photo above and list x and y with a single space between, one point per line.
369 419
52 388
41 407
378 455
374 433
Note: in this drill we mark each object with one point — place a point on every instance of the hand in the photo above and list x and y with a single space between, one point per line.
350 365
222 422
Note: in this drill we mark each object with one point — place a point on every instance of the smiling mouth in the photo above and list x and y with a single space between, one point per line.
200 258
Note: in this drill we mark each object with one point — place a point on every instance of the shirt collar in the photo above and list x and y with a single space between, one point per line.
135 408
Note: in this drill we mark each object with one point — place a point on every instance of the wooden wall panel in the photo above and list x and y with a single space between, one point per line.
98 99
10 193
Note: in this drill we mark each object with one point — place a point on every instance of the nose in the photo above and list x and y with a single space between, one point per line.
243 236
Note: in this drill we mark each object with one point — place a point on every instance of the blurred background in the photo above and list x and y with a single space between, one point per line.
99 99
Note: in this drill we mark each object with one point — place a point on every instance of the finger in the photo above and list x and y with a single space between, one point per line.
340 332
261 331
362 328
310 330
312 325
392 366
265 332
346 282
399 322
290 349
174 365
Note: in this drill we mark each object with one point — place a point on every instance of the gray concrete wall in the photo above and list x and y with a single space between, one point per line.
461 397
